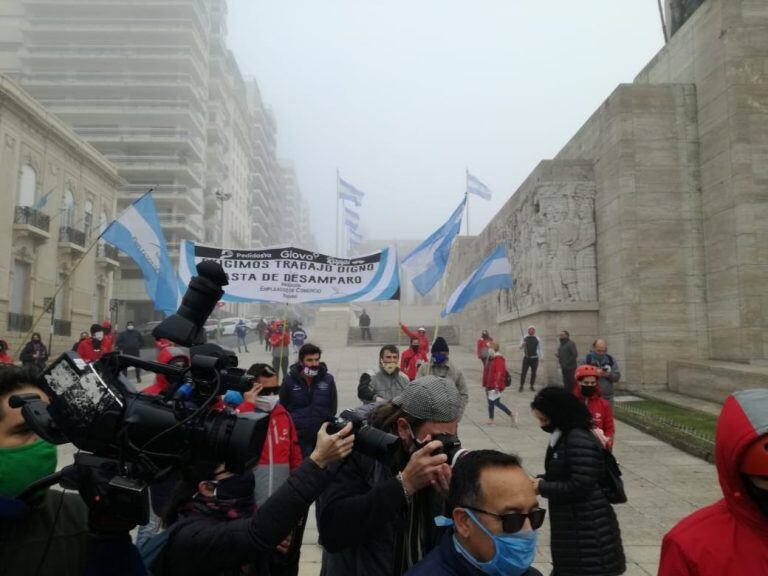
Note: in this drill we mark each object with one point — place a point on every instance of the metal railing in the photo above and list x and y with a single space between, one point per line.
31 217
107 251
71 235
19 322
62 328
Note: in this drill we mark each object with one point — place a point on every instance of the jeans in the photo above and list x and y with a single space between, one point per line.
241 340
278 363
569 381
497 404
533 364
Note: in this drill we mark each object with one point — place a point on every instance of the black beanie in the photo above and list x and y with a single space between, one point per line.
96 328
439 345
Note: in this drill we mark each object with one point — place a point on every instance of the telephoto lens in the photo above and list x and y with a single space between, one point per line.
369 441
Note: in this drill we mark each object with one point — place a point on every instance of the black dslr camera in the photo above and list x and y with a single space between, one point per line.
129 440
370 441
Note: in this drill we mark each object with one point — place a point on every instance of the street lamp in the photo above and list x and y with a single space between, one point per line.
222 197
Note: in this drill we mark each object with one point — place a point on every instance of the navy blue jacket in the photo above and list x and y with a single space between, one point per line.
444 560
309 405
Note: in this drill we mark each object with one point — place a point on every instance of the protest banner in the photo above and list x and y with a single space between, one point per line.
296 276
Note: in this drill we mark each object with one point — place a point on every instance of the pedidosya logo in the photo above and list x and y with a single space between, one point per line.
227 253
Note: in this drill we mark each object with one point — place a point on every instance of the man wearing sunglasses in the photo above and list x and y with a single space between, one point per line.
494 518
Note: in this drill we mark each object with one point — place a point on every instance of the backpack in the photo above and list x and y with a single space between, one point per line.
507 379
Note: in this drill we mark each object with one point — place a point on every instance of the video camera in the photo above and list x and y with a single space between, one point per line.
129 439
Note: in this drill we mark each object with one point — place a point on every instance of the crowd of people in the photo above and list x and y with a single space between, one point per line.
428 508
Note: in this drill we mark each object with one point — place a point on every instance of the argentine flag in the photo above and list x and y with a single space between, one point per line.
137 232
474 186
493 274
348 192
351 218
427 263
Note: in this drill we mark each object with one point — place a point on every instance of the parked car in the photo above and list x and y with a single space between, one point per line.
211 328
253 322
227 325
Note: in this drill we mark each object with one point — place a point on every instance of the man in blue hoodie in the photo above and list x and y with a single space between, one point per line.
494 518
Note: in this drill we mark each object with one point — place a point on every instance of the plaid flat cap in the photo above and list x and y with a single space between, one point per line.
431 398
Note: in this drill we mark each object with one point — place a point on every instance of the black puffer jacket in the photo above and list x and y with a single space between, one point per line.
586 540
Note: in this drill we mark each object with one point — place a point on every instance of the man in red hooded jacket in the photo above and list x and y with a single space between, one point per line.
169 354
4 357
108 344
729 536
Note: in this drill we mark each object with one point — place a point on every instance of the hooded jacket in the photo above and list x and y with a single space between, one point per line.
167 355
449 371
90 353
309 404
409 362
731 535
108 343
481 349
422 337
602 413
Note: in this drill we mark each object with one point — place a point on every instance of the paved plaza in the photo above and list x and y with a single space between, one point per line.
663 484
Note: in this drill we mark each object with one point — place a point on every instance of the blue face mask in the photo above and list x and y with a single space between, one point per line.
439 357
514 552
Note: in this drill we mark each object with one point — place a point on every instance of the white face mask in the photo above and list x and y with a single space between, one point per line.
98 335
267 403
129 327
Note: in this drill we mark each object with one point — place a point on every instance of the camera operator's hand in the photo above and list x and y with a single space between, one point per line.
423 468
442 481
332 447
285 545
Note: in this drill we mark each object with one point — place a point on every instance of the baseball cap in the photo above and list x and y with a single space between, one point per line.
430 398
421 329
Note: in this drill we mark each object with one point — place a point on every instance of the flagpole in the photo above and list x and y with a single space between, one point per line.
466 196
337 211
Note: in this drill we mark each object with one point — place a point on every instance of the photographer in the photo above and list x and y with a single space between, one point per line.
48 534
378 519
211 519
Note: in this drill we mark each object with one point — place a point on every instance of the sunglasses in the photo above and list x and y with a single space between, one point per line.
514 521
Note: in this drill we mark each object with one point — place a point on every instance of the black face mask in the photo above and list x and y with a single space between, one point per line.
237 488
549 428
758 495
588 391
415 348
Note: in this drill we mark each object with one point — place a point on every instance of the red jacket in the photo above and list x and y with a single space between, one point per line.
602 412
166 355
729 536
483 344
494 372
410 361
280 455
423 340
274 340
108 343
4 357
87 352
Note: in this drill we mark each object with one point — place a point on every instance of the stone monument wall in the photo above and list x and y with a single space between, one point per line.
650 227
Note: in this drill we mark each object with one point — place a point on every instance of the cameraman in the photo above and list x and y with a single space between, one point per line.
49 533
213 529
378 519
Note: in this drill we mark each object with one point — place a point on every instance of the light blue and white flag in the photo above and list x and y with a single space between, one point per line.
43 200
350 193
426 264
495 273
137 232
474 186
351 218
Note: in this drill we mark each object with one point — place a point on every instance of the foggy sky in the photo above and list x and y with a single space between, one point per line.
403 95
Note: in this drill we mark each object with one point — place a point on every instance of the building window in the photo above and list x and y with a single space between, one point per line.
20 287
68 210
88 218
27 186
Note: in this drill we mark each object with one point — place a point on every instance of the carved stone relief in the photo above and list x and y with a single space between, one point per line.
550 240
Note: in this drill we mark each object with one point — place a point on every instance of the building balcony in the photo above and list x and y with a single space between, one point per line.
62 328
19 322
158 168
176 223
184 198
72 240
30 222
107 256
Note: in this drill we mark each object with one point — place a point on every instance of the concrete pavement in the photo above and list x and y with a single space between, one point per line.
663 484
